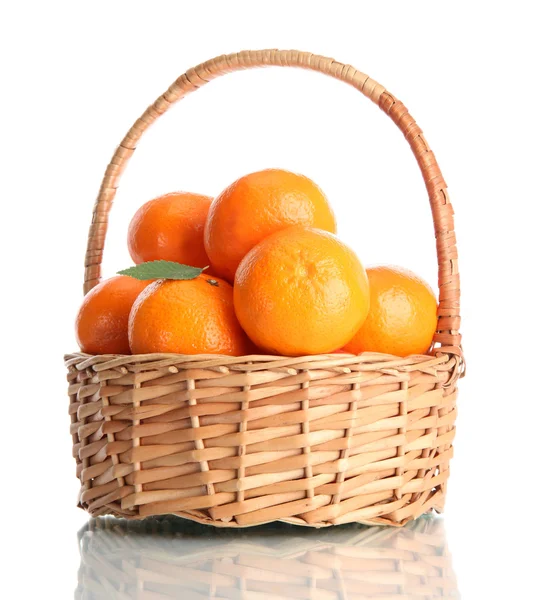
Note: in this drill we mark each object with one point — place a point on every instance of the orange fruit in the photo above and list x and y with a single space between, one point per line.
194 316
254 207
102 322
301 291
403 314
170 227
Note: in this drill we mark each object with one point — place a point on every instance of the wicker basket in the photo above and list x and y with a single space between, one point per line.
159 559
312 440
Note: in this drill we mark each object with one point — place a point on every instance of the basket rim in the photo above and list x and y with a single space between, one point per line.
439 359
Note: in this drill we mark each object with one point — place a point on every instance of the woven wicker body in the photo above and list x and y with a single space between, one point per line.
157 559
235 442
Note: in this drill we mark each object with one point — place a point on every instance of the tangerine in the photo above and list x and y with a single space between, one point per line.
102 322
403 314
170 227
301 291
193 316
254 207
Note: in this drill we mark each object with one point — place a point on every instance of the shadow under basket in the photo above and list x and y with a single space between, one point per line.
240 441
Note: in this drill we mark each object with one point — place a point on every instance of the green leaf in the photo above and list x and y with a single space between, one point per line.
162 269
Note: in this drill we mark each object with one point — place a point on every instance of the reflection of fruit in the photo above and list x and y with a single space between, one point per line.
170 227
301 291
102 321
194 316
403 314
257 205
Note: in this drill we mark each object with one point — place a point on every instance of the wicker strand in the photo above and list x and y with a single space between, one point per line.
348 432
138 487
447 334
402 433
198 442
84 464
306 449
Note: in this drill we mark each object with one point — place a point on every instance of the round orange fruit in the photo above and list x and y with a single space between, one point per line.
102 322
171 228
254 207
301 291
194 316
403 314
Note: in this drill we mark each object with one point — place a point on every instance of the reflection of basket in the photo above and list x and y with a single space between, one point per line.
311 440
166 558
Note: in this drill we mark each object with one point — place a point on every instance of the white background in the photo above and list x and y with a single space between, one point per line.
75 76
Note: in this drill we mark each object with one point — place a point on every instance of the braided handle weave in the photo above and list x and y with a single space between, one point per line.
447 333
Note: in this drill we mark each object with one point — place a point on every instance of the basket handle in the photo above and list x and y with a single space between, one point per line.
447 334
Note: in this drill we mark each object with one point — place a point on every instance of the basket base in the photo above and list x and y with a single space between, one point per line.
434 504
